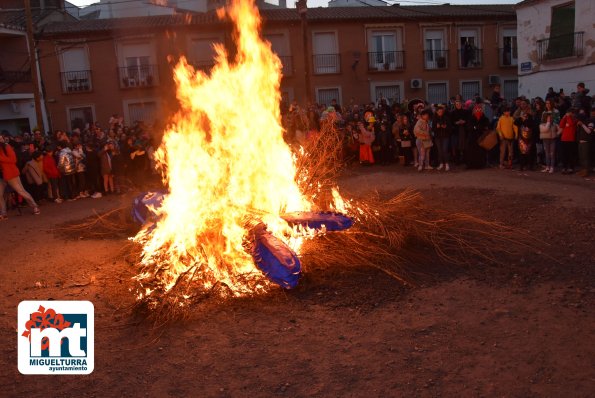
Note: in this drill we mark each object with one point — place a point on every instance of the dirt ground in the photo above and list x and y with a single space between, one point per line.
521 330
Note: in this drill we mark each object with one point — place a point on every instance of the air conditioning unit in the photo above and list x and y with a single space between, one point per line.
493 79
416 83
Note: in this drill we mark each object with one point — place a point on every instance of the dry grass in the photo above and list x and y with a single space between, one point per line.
400 236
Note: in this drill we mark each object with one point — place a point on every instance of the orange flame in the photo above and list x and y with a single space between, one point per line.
225 163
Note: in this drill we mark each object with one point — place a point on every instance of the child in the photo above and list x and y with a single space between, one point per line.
423 140
507 132
366 138
525 141
79 162
53 174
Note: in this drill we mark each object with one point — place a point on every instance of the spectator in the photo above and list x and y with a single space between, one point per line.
11 177
585 136
548 132
525 141
366 138
582 99
105 161
33 172
459 117
53 175
79 161
477 125
568 141
442 132
508 133
421 131
67 169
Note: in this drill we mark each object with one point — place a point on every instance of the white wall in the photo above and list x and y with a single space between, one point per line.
533 23
15 106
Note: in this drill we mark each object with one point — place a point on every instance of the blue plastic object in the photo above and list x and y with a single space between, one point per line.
331 221
141 213
275 259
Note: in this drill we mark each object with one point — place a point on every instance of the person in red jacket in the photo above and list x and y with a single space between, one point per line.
10 176
52 173
568 144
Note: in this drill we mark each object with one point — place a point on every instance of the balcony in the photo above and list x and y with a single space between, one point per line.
76 81
11 76
562 46
287 64
508 57
327 63
435 59
139 76
470 58
386 61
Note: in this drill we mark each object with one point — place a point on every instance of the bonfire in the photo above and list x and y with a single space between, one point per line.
238 196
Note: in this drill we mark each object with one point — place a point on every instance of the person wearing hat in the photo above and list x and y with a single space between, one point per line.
11 177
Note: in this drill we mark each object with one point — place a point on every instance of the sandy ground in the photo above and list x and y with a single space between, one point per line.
522 330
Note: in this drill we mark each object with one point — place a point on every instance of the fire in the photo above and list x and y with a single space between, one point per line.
225 164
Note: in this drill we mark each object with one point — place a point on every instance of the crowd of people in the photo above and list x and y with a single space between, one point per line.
555 132
89 162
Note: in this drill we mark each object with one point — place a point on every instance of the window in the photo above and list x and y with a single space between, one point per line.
469 48
326 95
202 53
137 64
437 92
435 54
561 42
326 57
280 46
76 75
509 52
384 46
80 117
390 92
510 89
142 111
470 89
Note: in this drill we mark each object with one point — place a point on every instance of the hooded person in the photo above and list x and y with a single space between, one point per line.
11 177
477 125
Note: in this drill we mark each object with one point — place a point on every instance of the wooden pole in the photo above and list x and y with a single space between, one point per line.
302 8
33 64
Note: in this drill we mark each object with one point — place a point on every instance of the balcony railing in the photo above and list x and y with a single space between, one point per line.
287 64
386 60
508 56
139 76
562 46
327 63
76 81
435 59
10 76
470 58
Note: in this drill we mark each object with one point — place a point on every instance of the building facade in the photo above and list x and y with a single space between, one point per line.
17 105
93 69
556 43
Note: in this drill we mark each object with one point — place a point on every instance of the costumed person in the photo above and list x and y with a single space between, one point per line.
423 139
525 142
477 125
508 133
11 177
366 138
